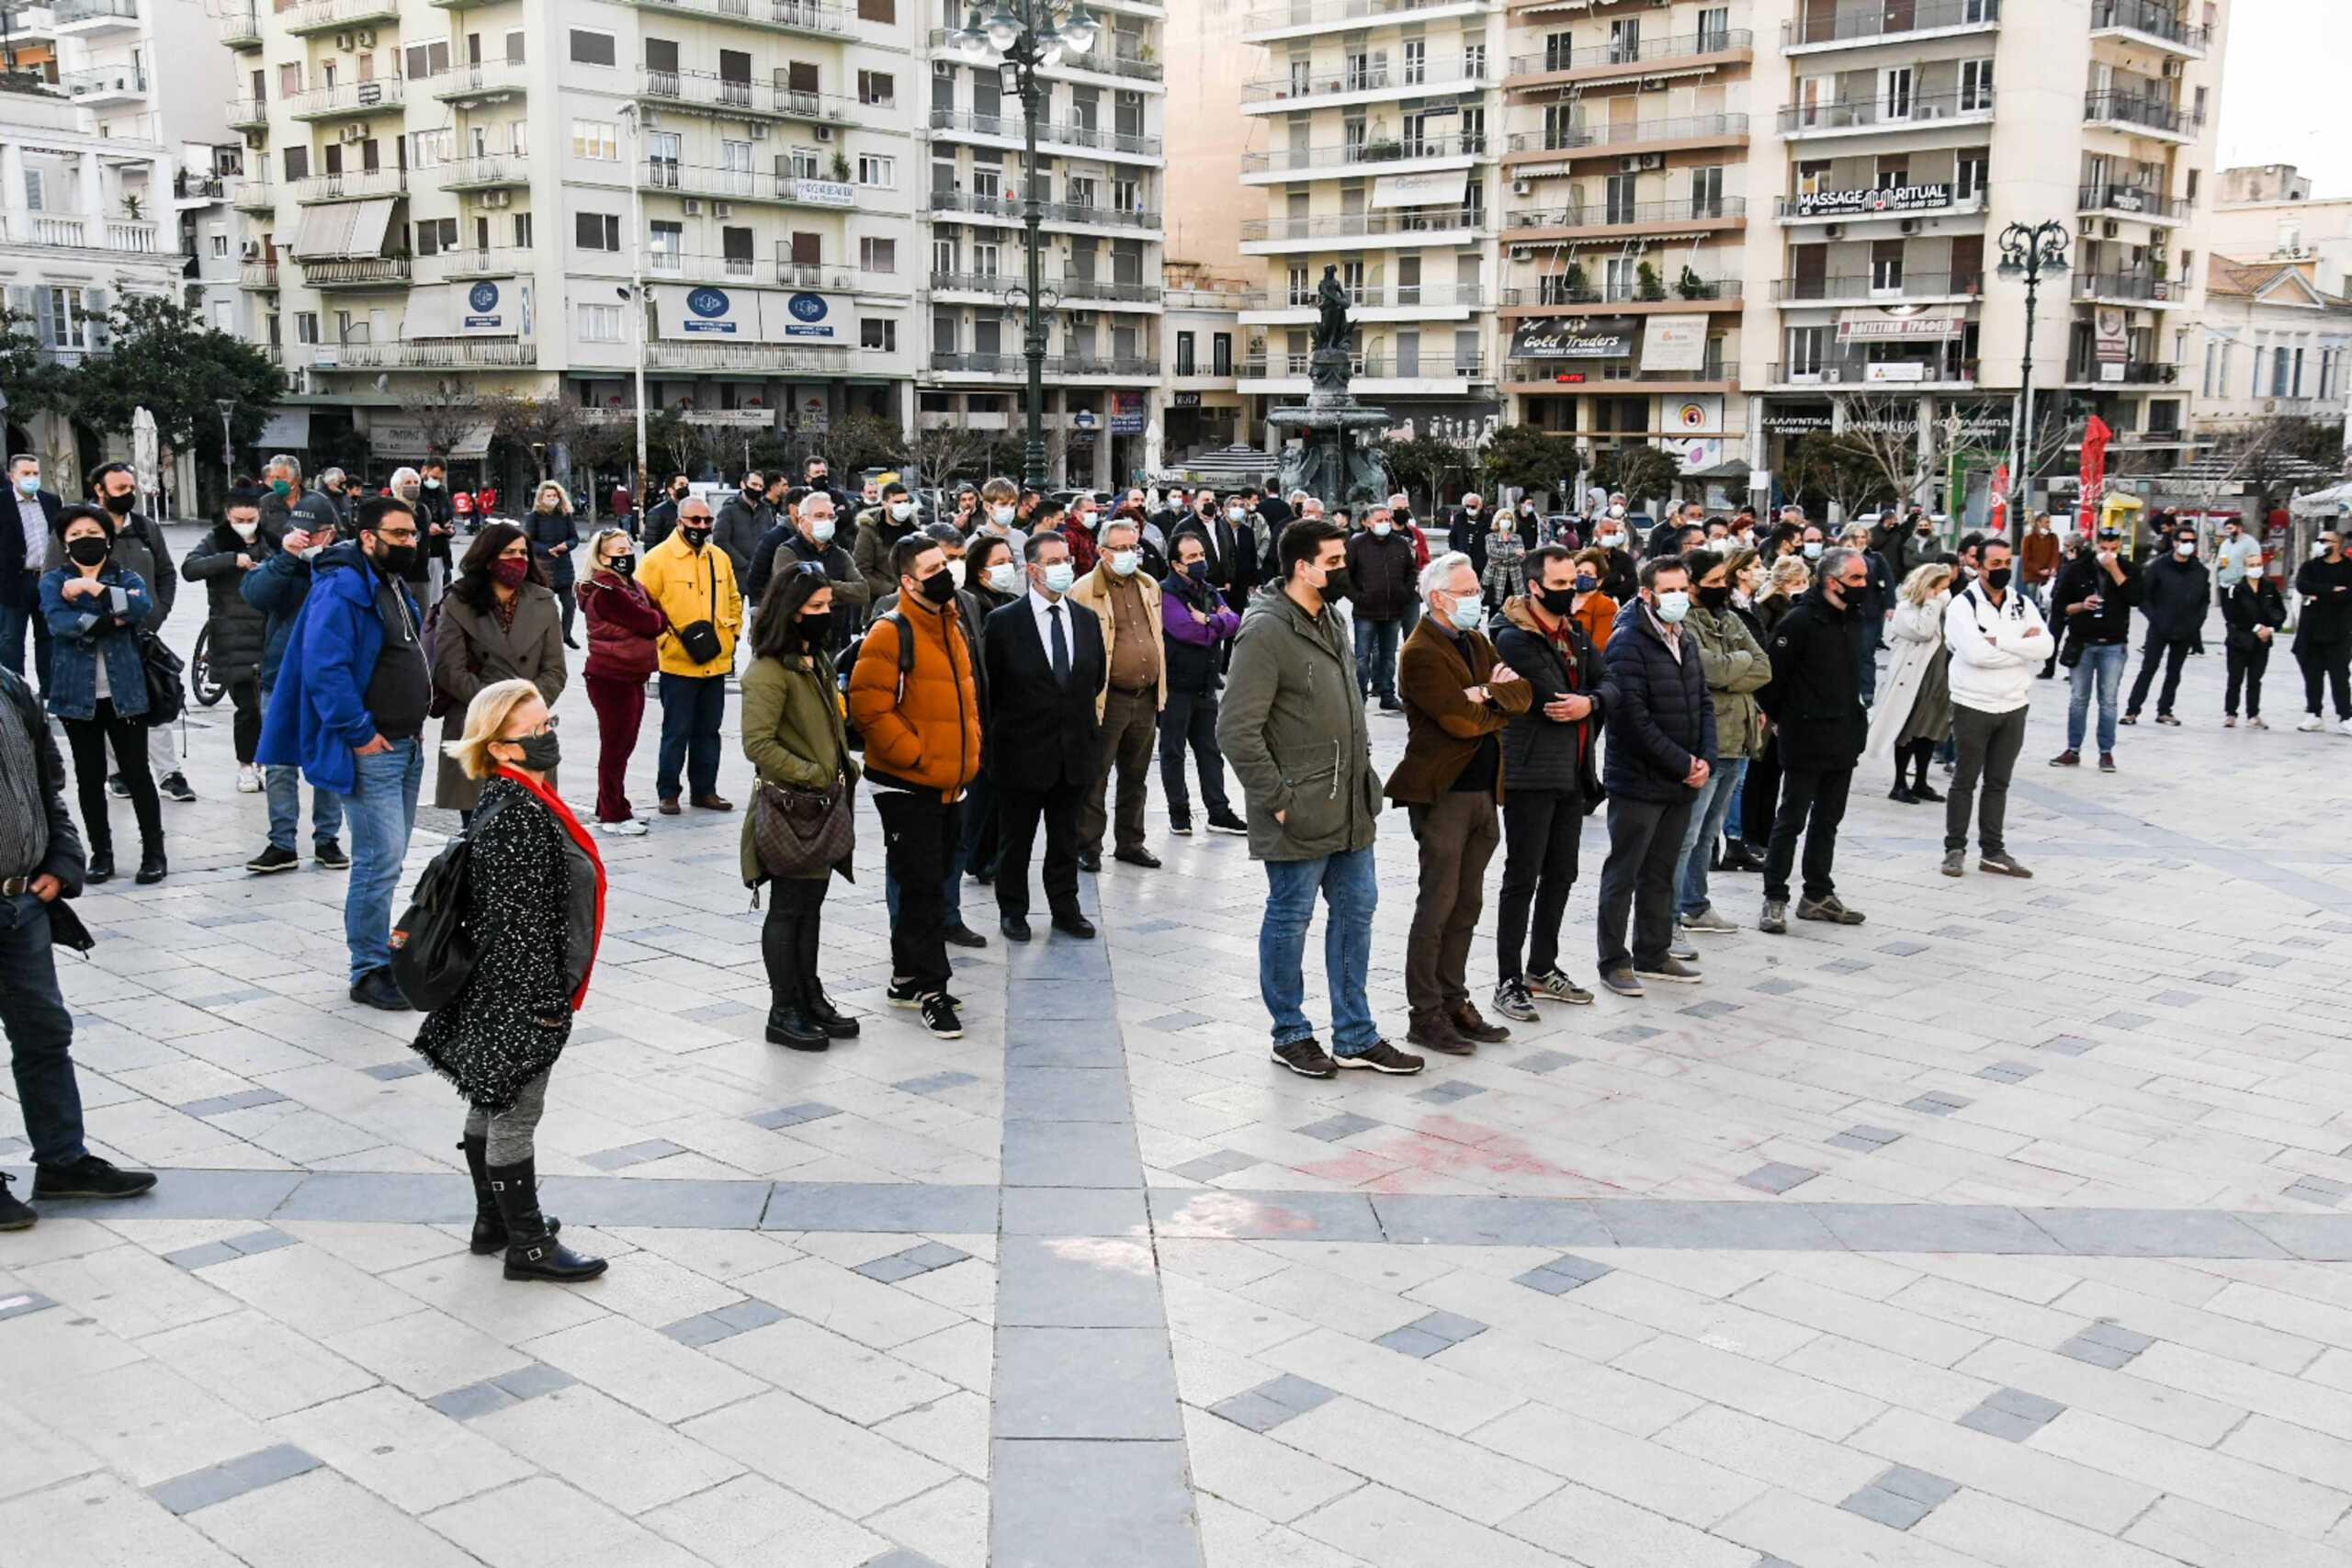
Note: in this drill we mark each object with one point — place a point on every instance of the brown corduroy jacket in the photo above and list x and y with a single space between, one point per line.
1443 727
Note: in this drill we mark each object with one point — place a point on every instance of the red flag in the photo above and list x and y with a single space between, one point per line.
2000 497
2096 435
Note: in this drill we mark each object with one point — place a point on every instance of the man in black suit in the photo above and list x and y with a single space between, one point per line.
27 524
1046 667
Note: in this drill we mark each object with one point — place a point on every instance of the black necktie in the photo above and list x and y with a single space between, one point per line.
1061 646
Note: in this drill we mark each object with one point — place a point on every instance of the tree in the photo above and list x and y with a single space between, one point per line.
1519 456
940 454
862 440
1835 467
162 356
2277 453
34 386
1643 473
1421 465
539 425
445 414
1885 429
678 443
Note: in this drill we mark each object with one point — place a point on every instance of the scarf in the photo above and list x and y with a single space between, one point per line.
570 824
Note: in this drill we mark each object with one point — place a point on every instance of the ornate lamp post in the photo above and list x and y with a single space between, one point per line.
2031 253
1029 36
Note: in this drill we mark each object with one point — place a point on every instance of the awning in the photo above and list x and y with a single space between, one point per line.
1897 326
1435 187
429 314
369 227
343 229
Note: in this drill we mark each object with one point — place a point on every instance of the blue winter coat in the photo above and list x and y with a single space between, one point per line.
83 630
317 709
1661 714
546 531
276 588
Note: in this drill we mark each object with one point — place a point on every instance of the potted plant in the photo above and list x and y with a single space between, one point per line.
132 208
1383 149
1691 286
841 167
1578 285
1648 285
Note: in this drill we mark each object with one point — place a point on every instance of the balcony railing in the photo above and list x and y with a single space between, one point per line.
240 29
744 184
491 77
1648 50
1629 133
2136 372
1556 291
1853 370
428 354
2137 200
2134 109
1371 366
1711 369
1889 19
1859 114
1102 62
248 114
707 90
952 363
104 81
254 194
1690 209
1362 225
102 13
1059 133
257 275
319 15
1865 287
71 230
1363 79
356 272
1333 13
1387 150
1008 210
790 15
2150 17
2125 285
492 169
1397 297
383 95
1073 290
663 355
187 185
493 260
353 185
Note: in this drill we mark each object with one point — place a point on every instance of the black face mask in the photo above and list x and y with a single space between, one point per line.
1404 515
87 551
120 504
1557 601
816 630
695 538
540 752
1198 571
1337 583
1998 579
395 560
679 493
1714 598
939 587
623 566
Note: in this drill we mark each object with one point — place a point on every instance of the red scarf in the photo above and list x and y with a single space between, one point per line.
571 825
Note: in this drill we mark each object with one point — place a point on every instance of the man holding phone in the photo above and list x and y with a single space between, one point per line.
2094 600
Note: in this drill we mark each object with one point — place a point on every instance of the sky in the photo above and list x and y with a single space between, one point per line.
2289 63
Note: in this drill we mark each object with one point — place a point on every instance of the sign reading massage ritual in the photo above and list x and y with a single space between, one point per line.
1573 337
1891 202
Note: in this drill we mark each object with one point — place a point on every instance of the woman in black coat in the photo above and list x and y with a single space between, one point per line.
2254 610
235 632
553 540
534 913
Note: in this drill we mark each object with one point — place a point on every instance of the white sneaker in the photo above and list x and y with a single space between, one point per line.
634 828
248 780
2345 727
2312 725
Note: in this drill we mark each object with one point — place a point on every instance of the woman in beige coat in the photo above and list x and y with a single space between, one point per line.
498 622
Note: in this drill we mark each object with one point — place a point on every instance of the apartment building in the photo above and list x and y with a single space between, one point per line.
464 194
1376 150
2268 214
2269 343
1731 225
1101 162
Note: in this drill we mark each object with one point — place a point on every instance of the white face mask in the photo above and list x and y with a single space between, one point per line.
244 530
1610 541
822 532
2319 550
1002 516
1616 509
312 553
1236 512
1004 576
1380 530
1124 562
2185 549
902 509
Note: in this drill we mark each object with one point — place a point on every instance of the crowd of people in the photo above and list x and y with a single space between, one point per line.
1711 681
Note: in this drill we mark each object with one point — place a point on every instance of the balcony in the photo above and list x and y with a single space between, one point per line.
258 275
1402 301
818 18
1537 376
1876 289
1890 21
1568 143
1007 211
105 86
491 172
72 231
192 190
2135 202
744 184
1359 157
762 359
1406 226
1859 371
1916 111
94 19
1363 82
356 272
255 194
1128 367
357 184
431 353
1056 133
494 261
1073 290
1299 18
1624 218
29 24
240 29
2150 22
1862 203
480 84
1371 369
1554 296
1095 61
326 16
746 100
2128 288
2138 115
348 100
1683 54
2121 372
248 114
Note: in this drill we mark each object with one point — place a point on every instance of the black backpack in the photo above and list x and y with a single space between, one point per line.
433 952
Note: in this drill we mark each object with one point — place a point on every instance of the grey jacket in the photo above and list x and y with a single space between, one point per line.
472 650
1292 726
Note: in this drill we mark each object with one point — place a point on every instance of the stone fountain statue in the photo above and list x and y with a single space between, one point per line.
1337 458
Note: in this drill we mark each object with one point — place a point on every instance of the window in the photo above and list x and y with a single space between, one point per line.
2212 355
883 11
880 333
1221 354
1975 85
1559 52
435 235
523 230
1714 28
665 243
602 323
590 46
298 163
596 230
1417 62
1186 360
1621 204
596 140
1806 346
515 46
306 326
2190 192
877 171
877 88
220 242
1971 167
290 80
429 149
2279 367
878 255
422 60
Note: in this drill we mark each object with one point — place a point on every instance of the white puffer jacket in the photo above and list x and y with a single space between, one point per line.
1995 652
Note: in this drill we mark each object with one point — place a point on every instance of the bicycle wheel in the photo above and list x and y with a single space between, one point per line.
209 689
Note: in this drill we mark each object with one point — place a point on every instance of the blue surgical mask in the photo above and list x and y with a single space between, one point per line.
1124 562
27 484
1380 530
1002 516
822 532
1813 549
1672 605
1059 576
1198 571
1004 576
1467 615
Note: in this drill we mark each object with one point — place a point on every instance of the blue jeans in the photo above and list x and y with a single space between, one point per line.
1708 814
1737 799
1376 657
2103 663
382 809
13 624
284 783
1350 887
692 706
40 1034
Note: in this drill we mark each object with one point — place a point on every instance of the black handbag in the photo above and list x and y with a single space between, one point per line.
802 833
166 696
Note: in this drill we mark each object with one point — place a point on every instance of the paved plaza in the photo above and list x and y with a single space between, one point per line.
2007 1229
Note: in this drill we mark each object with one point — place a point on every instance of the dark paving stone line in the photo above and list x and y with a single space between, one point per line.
23 1304
185 1494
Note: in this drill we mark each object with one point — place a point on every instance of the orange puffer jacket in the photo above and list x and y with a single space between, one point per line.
929 736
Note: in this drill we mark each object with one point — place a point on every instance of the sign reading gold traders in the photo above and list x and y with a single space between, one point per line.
1573 337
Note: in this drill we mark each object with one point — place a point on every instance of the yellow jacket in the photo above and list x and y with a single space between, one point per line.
692 585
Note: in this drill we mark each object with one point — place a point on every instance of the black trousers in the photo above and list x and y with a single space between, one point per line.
1017 814
2174 652
788 941
1644 845
1541 829
1188 722
2246 666
2326 663
980 825
88 739
1759 798
565 596
1812 802
916 847
245 696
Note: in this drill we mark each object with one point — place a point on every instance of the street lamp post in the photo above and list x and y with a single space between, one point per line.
635 294
2031 253
1030 36
228 454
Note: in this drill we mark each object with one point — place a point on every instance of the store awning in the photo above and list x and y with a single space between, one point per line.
1897 326
343 229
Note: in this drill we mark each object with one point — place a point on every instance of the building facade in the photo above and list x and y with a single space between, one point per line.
2270 344
2267 213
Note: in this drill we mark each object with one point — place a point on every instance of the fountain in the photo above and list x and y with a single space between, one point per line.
1336 459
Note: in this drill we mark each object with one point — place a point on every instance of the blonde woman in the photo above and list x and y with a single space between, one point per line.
534 913
1783 586
553 540
1915 712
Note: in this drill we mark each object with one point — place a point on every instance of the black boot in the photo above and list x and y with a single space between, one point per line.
101 862
532 1251
489 1226
837 1024
791 1027
152 868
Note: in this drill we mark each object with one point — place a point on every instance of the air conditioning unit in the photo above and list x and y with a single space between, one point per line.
759 131
1833 231
365 37
693 207
1910 225
1081 318
2175 70
1628 166
351 133
497 197
2087 228
1651 161
722 209
342 43
1522 187
824 133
